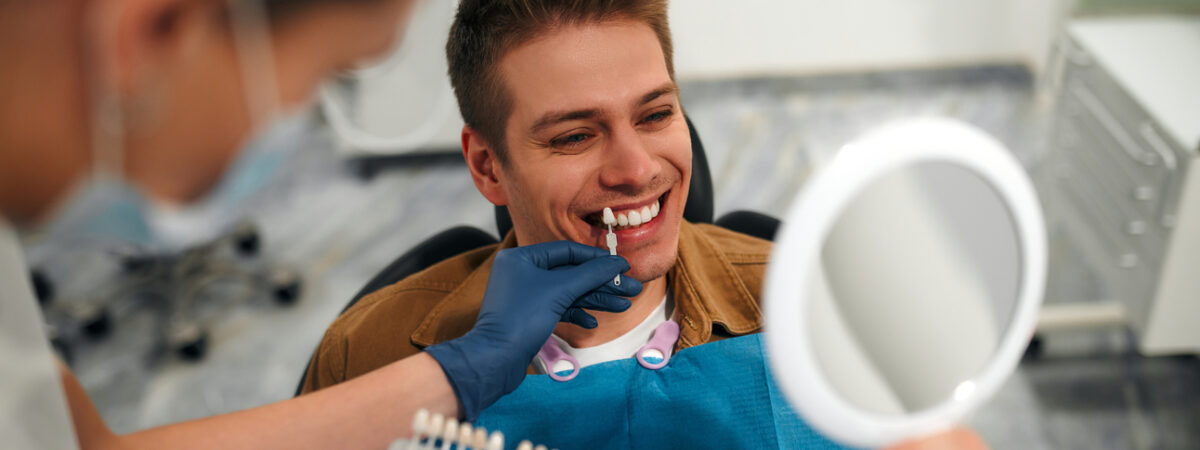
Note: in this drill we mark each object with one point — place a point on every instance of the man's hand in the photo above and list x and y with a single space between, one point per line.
955 439
529 291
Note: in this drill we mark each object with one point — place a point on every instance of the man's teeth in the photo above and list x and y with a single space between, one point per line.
634 217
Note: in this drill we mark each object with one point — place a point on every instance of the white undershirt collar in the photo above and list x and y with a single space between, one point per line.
623 346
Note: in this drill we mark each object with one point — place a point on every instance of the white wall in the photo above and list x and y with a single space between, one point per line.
727 38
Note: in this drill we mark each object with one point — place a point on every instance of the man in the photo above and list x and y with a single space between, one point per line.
570 107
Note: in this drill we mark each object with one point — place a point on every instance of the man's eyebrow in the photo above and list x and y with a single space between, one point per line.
668 88
558 117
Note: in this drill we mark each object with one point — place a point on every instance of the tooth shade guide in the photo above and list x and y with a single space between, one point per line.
464 434
449 433
480 440
496 441
612 250
435 425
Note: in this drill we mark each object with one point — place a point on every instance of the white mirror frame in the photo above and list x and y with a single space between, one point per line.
800 241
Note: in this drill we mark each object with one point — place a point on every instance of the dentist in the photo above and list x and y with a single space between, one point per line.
159 95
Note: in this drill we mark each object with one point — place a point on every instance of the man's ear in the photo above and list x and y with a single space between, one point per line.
485 167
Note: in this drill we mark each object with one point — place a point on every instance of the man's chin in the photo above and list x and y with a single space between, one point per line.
649 271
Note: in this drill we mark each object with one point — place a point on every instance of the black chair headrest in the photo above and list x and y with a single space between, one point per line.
699 206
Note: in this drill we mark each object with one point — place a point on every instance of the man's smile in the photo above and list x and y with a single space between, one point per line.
642 221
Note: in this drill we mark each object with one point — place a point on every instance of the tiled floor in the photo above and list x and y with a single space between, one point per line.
762 137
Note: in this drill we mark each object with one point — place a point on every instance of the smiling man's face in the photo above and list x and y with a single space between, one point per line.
595 123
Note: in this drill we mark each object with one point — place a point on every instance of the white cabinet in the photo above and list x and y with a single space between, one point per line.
1120 177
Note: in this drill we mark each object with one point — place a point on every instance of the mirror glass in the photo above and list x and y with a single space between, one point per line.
918 281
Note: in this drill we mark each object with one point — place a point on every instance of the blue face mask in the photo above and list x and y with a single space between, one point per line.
256 164
104 207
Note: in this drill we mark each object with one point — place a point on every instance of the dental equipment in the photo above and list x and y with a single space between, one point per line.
449 434
419 425
553 356
660 346
654 355
610 219
464 435
480 439
437 431
496 441
435 426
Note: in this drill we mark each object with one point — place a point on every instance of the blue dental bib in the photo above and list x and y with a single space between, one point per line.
716 395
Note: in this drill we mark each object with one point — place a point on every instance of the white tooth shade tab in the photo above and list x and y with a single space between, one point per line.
635 218
496 441
464 434
609 218
450 432
435 425
480 440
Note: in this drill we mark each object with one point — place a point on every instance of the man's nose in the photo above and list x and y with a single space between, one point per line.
629 162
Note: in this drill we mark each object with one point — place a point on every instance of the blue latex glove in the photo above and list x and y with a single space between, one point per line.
529 291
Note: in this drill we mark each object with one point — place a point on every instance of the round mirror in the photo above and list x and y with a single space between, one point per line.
904 283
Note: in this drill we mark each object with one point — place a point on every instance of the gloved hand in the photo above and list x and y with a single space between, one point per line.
529 291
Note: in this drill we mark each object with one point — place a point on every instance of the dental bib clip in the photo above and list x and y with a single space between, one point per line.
655 355
555 358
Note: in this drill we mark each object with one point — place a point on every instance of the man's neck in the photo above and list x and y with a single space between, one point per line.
613 325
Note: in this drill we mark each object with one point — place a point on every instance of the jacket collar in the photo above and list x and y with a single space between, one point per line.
705 288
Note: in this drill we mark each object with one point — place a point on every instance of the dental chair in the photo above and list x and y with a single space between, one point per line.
698 209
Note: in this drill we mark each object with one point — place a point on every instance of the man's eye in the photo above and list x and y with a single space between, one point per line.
658 116
572 140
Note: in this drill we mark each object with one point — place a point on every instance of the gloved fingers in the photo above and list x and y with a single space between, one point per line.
629 287
549 255
598 301
579 317
591 275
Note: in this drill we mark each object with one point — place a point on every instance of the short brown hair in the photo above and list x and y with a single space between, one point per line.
485 30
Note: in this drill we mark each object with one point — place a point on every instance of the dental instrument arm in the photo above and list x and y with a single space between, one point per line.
530 290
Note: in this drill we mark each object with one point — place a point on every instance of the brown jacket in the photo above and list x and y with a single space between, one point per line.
716 284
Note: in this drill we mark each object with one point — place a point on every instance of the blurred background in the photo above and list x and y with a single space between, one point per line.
173 315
